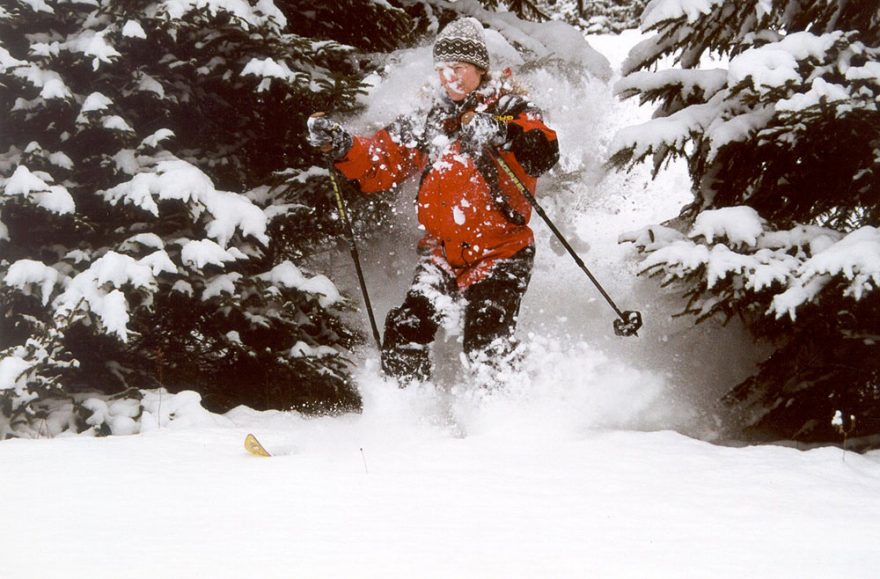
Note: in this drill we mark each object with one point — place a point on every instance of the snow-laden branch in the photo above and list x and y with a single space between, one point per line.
288 275
50 83
257 14
33 186
97 290
739 225
659 11
795 265
169 178
25 273
11 369
688 82
672 131
856 258
199 253
764 86
739 128
92 44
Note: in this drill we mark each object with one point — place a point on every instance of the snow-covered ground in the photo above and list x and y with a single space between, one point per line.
581 468
389 494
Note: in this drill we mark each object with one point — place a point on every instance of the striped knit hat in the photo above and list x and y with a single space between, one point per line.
462 41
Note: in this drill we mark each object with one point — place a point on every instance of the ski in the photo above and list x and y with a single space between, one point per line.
253 446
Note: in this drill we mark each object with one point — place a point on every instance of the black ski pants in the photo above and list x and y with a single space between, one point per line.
490 312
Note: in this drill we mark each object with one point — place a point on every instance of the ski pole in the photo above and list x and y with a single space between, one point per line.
629 321
349 233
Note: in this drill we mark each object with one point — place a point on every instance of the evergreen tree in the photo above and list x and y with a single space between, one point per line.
594 17
597 16
783 148
157 193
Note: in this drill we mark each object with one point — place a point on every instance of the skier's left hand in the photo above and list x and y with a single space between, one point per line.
329 136
481 129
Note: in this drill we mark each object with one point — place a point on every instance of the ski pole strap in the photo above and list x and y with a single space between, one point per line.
346 224
630 321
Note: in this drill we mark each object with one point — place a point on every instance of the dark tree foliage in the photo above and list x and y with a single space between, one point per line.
525 9
158 192
790 129
368 26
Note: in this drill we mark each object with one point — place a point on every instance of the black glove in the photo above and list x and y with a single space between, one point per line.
479 130
329 136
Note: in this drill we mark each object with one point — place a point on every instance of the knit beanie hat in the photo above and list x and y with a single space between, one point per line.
462 41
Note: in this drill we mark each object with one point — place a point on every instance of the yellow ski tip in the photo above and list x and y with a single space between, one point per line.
253 446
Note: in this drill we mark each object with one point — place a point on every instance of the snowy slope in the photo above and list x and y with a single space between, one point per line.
574 471
388 495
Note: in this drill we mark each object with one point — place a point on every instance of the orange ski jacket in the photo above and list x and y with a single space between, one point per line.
473 214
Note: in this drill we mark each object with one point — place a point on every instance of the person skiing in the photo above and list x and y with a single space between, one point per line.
477 244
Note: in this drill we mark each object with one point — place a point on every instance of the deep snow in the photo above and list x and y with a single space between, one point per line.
388 495
573 471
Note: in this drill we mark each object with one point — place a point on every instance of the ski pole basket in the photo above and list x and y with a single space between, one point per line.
628 324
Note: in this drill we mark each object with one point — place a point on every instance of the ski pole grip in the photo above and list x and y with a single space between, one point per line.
326 149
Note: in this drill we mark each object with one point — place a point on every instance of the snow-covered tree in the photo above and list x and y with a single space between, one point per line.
526 9
597 16
157 193
783 147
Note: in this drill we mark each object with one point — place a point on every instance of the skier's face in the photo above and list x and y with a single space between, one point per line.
459 79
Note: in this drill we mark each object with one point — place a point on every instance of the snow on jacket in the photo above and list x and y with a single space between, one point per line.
472 212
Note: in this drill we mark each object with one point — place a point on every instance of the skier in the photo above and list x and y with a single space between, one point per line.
477 244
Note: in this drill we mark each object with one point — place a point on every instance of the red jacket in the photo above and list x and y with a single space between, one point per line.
472 213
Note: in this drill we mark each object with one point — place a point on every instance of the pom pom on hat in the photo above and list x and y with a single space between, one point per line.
462 41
